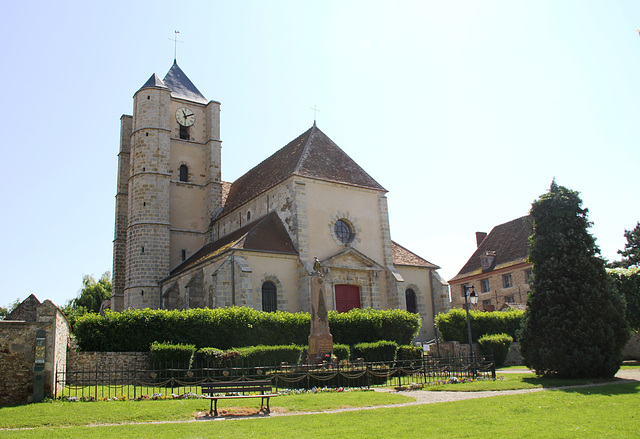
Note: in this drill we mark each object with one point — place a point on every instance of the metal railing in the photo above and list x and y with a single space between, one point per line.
172 381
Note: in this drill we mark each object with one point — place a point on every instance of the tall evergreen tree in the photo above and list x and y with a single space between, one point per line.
574 325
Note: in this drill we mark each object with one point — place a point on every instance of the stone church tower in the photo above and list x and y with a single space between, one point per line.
169 187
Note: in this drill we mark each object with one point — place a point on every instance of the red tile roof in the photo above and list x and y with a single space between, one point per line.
402 256
312 155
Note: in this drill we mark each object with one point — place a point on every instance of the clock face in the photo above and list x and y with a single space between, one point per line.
185 117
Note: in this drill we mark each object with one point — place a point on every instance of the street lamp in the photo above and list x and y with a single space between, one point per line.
473 298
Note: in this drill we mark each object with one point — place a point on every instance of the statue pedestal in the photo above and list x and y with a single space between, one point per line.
320 339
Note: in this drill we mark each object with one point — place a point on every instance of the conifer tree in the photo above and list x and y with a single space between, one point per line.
574 325
631 252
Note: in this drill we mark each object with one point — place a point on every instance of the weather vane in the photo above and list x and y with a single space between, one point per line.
175 44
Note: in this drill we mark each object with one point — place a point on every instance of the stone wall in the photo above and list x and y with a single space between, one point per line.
92 366
16 361
17 353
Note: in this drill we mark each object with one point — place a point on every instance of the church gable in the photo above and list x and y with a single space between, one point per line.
350 259
312 155
266 234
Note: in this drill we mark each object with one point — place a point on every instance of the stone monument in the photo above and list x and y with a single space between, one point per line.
320 339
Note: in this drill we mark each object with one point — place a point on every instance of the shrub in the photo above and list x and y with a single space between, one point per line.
341 351
370 325
224 328
255 356
497 345
453 325
176 355
627 282
409 353
383 350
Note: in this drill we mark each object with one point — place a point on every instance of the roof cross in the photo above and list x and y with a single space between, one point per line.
315 112
175 44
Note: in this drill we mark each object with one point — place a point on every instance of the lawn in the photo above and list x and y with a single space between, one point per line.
602 411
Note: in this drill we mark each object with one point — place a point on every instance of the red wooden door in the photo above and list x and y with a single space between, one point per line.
347 297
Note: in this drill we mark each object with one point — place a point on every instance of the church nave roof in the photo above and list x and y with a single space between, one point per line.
312 154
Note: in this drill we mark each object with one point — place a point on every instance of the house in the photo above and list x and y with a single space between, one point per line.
498 270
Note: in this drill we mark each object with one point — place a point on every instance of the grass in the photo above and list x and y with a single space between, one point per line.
60 413
512 381
603 411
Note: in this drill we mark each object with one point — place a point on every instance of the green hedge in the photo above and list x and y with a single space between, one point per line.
369 325
176 355
253 356
224 328
453 325
409 353
627 282
497 345
383 350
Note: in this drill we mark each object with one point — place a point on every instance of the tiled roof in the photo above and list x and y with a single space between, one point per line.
402 256
312 155
509 241
181 86
266 234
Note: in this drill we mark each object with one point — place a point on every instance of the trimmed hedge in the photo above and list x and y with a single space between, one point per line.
177 355
497 345
224 328
409 353
453 325
383 350
371 325
341 351
253 356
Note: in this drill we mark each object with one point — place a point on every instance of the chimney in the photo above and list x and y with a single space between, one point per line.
480 237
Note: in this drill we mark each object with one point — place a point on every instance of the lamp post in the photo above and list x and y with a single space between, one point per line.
470 299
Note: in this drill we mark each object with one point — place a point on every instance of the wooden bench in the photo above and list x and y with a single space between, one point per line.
213 389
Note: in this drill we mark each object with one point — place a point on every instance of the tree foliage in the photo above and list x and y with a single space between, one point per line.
574 325
631 253
93 292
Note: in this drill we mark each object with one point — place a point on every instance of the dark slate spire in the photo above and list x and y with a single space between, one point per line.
154 81
181 86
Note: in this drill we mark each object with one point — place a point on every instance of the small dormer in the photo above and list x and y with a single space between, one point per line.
487 259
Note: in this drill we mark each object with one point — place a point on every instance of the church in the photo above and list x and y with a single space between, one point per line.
184 238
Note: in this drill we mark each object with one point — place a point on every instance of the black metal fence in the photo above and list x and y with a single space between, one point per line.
181 382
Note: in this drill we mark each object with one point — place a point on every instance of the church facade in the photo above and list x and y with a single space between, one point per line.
186 239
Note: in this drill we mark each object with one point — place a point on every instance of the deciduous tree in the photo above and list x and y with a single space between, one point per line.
574 325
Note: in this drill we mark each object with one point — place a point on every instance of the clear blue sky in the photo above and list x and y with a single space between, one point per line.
465 111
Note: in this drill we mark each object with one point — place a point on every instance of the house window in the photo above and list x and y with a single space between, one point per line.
486 303
509 299
184 173
485 285
248 216
464 288
183 254
410 296
506 281
269 297
343 231
528 276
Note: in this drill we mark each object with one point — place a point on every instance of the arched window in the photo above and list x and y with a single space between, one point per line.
269 297
184 173
410 296
248 216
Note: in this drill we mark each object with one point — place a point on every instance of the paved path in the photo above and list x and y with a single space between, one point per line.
431 397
